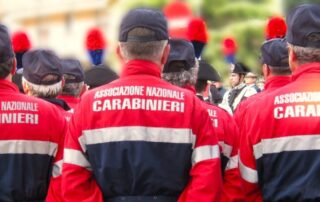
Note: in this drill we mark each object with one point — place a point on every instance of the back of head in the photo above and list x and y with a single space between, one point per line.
181 68
42 74
143 35
6 53
73 76
303 33
99 75
274 53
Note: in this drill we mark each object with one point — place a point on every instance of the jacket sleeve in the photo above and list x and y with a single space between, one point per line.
54 191
205 183
78 183
247 164
232 187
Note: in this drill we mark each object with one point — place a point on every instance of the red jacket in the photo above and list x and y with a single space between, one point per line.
31 143
280 153
70 100
228 135
272 84
139 138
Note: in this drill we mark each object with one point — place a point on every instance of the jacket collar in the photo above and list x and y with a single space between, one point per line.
277 82
8 86
138 67
60 103
306 69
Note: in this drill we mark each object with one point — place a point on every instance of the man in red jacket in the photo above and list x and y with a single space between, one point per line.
280 153
181 69
74 85
31 139
276 72
140 138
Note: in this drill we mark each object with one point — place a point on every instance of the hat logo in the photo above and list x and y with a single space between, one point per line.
314 37
232 67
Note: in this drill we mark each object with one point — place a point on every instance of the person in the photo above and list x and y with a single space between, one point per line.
99 75
207 73
251 80
74 85
140 138
181 69
276 71
42 77
279 155
31 139
240 91
219 86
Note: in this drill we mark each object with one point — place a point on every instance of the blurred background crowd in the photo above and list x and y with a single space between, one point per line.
65 25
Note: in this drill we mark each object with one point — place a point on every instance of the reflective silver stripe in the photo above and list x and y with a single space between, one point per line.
226 149
28 147
233 162
137 133
203 153
57 168
248 174
75 157
290 143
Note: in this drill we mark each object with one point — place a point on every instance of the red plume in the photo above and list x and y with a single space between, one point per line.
276 28
229 46
197 30
20 42
177 9
95 39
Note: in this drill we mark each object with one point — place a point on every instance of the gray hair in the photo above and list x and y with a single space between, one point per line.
151 50
43 91
306 54
280 71
183 77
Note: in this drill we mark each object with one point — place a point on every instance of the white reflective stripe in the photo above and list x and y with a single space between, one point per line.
28 147
75 157
57 168
233 162
137 133
290 143
179 22
248 174
226 149
203 153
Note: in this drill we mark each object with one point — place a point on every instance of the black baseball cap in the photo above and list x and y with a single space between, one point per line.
99 75
144 18
207 72
304 26
180 50
275 53
6 51
73 68
37 64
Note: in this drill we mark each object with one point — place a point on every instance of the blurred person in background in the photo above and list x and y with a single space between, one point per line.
220 87
31 139
251 80
239 91
74 85
181 69
132 139
43 78
279 153
99 75
275 69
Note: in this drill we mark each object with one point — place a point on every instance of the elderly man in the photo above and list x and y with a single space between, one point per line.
182 70
140 138
280 153
31 139
42 77
74 85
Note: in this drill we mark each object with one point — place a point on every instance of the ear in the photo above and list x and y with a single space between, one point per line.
165 54
85 87
25 88
119 54
266 71
14 67
293 63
